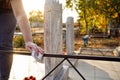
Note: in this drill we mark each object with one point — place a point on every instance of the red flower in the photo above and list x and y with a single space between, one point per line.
30 78
34 78
26 78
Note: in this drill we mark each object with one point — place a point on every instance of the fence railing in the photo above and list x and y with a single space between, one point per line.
67 57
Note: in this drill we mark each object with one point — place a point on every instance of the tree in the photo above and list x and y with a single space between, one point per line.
111 10
95 12
36 16
84 10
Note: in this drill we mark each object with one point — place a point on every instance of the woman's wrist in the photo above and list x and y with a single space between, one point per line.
28 42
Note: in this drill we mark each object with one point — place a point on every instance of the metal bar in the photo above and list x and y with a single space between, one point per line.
15 52
53 69
75 69
102 58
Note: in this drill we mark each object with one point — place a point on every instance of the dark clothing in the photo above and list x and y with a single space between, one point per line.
5 65
5 4
7 26
3 11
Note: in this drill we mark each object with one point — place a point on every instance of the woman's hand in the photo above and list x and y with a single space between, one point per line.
33 47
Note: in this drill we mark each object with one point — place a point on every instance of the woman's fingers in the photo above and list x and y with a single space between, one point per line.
31 46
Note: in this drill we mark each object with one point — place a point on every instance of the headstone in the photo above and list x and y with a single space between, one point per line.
52 36
70 35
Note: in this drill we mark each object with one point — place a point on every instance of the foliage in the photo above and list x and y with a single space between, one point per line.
18 42
95 12
38 41
108 7
95 30
36 16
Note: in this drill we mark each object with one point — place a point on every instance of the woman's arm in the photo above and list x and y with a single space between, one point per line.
22 19
24 25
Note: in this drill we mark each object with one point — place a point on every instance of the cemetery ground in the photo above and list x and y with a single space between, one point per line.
93 42
106 43
98 42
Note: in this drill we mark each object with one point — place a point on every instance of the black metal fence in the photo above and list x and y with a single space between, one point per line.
67 57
